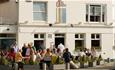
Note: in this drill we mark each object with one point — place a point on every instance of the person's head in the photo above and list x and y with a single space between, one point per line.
48 50
29 45
66 49
58 50
20 50
24 44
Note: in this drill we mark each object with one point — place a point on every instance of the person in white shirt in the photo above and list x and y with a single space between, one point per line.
61 47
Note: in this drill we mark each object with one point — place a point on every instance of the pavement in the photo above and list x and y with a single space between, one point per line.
105 66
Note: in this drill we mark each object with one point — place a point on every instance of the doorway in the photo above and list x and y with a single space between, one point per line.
39 44
59 38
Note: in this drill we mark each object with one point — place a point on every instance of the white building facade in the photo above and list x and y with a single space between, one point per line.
76 24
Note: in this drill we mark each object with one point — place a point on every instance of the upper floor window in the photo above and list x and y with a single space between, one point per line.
95 13
60 12
39 11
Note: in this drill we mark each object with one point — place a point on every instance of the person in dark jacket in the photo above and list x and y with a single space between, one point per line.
67 57
24 48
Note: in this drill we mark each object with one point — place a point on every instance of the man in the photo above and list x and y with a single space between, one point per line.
67 57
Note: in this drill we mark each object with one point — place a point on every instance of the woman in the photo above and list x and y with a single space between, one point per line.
18 59
47 58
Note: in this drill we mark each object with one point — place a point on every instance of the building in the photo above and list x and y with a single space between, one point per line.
74 23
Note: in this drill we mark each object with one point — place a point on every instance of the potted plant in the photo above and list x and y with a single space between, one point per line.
31 66
4 63
82 61
59 64
91 60
98 60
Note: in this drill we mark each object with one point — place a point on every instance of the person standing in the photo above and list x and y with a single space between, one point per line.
67 57
18 59
24 48
61 47
47 58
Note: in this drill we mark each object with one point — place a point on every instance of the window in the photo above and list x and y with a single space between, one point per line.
79 41
61 12
95 13
39 36
95 41
39 11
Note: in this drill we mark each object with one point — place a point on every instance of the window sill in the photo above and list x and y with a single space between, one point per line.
39 21
95 23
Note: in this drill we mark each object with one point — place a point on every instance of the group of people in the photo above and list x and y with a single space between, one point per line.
29 53
88 52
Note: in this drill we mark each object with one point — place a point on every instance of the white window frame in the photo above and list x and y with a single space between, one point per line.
95 38
59 14
40 11
39 38
82 39
105 13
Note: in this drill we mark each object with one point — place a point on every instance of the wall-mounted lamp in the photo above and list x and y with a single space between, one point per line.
7 29
71 25
50 25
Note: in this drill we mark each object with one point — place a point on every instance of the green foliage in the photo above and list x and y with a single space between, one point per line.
83 59
59 61
32 62
91 59
3 61
99 58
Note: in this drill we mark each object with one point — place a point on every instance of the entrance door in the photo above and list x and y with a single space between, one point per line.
59 38
39 44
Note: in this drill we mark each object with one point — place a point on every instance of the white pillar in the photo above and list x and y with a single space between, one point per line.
88 40
70 41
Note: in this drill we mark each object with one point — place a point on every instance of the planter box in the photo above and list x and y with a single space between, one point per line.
31 67
4 67
59 66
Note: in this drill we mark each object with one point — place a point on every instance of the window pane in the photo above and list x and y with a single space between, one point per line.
87 8
63 15
39 16
98 10
95 13
103 13
79 44
76 36
97 36
39 6
95 43
41 35
81 36
35 35
92 36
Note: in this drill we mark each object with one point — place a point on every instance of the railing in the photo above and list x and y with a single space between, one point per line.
6 21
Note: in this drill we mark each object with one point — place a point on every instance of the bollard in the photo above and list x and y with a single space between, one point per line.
67 66
44 66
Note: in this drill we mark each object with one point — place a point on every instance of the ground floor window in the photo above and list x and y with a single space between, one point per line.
95 41
7 40
79 41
